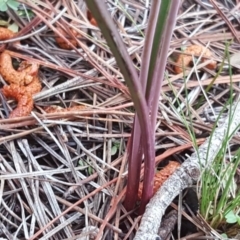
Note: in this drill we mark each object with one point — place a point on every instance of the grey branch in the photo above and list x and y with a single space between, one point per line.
185 175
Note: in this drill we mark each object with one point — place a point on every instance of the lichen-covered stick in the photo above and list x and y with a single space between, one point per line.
185 175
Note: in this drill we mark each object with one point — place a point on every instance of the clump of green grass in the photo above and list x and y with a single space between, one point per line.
219 194
220 198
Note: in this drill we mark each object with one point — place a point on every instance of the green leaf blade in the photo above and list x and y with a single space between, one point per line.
3 7
13 4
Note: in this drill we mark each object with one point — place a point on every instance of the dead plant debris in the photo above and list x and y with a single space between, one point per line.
161 176
64 175
24 83
184 59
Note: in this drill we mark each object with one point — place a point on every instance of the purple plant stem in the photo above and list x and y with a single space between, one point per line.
149 37
134 166
135 153
155 88
158 76
109 31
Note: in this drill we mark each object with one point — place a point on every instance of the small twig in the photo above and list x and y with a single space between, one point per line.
185 175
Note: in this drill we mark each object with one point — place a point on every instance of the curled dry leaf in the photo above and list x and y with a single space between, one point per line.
34 87
23 95
184 60
91 19
28 68
6 33
160 177
24 99
56 109
24 81
62 43
21 76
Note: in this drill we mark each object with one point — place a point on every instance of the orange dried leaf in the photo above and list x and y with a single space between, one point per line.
6 33
24 99
28 68
24 82
184 60
160 177
11 75
34 87
23 95
91 19
63 44
56 109
93 22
